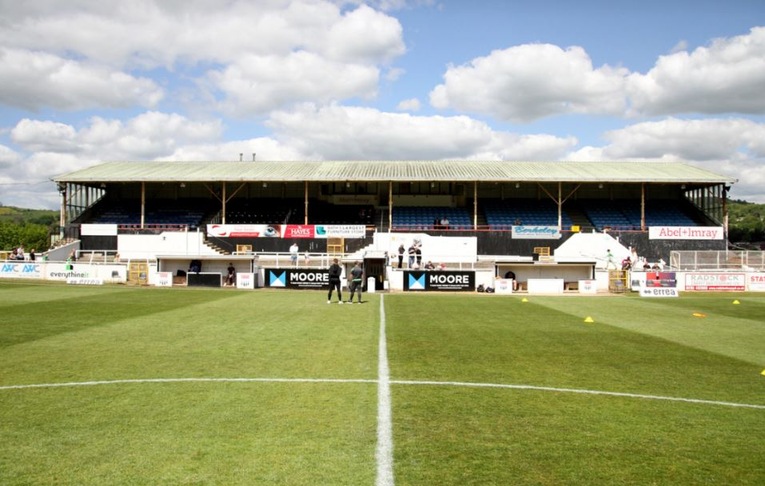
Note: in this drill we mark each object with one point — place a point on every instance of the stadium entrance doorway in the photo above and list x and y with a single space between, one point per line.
375 267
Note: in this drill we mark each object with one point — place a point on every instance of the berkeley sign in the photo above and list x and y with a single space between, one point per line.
529 232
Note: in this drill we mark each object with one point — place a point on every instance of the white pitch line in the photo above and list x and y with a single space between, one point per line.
187 380
384 452
386 386
581 391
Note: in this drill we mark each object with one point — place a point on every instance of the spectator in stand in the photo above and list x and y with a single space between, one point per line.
445 223
32 255
411 252
429 266
294 254
401 251
627 264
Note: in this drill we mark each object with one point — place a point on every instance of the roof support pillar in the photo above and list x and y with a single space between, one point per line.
560 205
305 198
642 206
143 203
223 204
62 215
390 205
475 205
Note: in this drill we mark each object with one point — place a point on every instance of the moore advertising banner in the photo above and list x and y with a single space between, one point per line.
318 231
439 280
290 278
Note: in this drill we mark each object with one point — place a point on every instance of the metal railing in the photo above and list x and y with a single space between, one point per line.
748 261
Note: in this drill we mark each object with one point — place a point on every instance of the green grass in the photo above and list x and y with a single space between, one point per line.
295 431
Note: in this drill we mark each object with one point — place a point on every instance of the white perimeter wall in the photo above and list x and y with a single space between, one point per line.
171 243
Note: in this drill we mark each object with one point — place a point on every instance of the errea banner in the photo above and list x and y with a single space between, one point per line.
415 280
685 233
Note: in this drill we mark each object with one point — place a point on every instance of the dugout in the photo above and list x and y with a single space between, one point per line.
214 268
562 275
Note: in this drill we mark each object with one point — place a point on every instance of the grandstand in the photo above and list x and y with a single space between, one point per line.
485 199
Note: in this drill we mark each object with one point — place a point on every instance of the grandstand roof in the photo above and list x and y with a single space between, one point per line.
404 170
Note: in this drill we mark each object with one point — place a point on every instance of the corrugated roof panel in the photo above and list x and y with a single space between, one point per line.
404 170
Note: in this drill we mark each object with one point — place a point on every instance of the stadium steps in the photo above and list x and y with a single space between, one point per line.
578 218
217 249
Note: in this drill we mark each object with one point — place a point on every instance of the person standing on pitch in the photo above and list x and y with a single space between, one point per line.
357 281
335 272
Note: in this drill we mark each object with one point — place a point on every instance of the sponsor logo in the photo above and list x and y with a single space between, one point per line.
685 233
535 232
277 279
416 282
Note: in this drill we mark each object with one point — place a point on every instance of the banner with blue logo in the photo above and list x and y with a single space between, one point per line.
289 278
449 280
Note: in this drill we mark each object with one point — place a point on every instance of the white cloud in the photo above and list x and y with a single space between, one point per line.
50 148
258 84
8 157
412 104
200 30
365 35
731 147
699 140
35 80
338 132
265 148
259 55
148 135
728 76
532 81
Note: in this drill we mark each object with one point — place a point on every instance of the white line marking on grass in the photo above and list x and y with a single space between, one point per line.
187 380
389 382
384 453
581 391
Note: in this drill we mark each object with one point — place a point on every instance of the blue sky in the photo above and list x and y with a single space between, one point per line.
87 81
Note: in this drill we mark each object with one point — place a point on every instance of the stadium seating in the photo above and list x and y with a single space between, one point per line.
424 218
503 214
625 214
160 214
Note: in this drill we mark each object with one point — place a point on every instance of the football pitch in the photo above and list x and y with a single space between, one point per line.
124 385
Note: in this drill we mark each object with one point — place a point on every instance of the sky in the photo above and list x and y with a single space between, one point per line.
86 81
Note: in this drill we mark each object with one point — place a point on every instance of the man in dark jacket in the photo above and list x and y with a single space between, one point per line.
335 272
357 281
